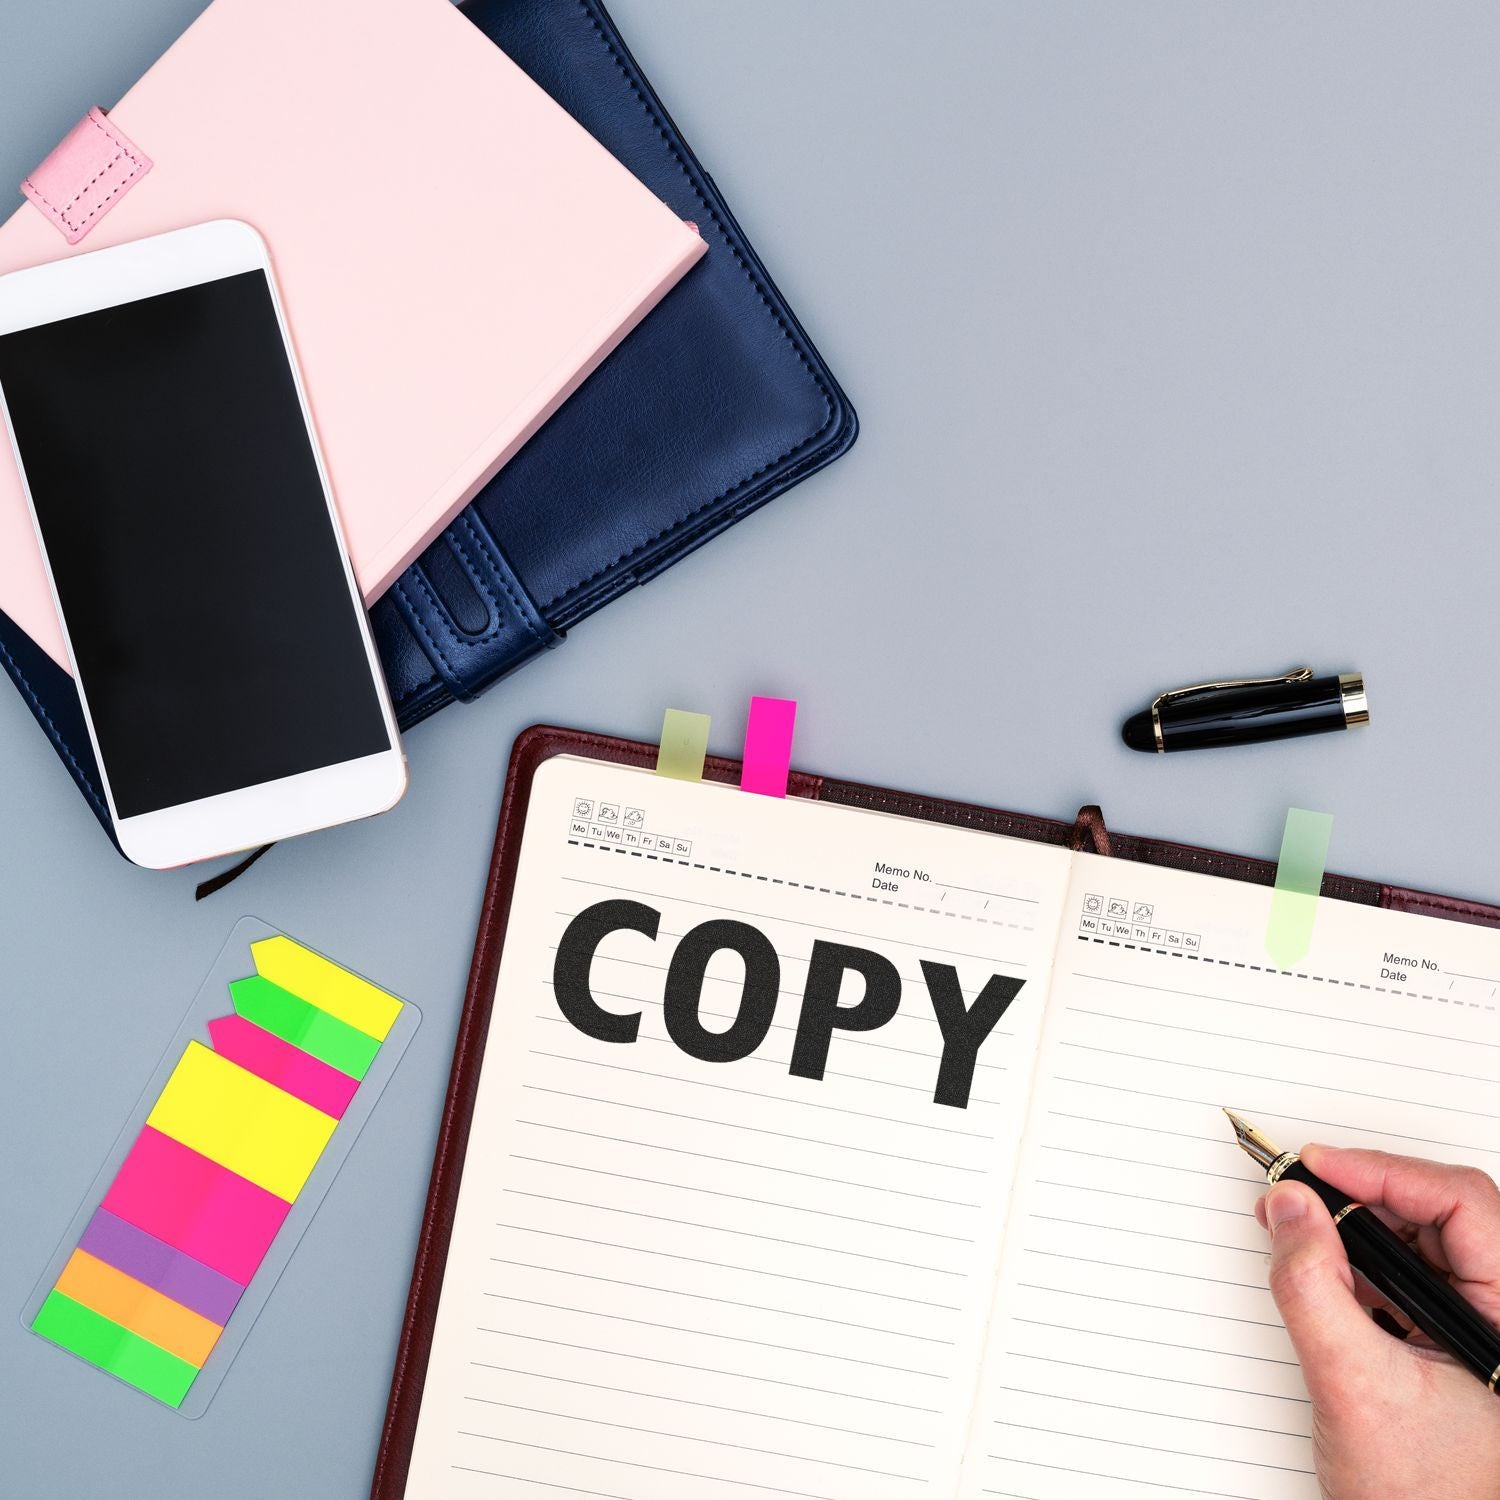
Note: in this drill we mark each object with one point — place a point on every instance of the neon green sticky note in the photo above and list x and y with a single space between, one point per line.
684 744
108 1346
345 996
291 1018
1299 878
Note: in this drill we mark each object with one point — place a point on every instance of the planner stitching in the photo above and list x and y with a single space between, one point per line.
760 290
417 620
53 732
472 570
823 890
524 609
136 169
416 688
1350 984
519 609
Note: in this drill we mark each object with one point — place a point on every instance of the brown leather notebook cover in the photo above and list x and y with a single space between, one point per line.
541 743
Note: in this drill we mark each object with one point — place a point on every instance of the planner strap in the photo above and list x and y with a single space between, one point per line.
86 175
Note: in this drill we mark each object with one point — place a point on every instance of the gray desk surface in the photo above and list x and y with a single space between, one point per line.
1173 331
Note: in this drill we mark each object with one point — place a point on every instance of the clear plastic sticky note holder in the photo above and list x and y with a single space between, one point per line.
210 1185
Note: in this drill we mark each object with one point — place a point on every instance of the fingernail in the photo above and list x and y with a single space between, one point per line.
1283 1205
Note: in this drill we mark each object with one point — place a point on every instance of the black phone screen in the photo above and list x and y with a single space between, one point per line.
199 574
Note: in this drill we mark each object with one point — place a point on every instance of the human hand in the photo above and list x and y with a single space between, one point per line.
1391 1418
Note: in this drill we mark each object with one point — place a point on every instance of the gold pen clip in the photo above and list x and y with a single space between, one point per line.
1292 674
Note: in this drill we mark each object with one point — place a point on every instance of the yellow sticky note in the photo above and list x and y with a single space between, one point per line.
218 1109
346 996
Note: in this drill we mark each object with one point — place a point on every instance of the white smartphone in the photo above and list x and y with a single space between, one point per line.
212 619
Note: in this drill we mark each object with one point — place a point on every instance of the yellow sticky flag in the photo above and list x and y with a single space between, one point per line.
324 984
223 1112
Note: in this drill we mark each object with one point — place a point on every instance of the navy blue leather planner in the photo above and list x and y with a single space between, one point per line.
715 404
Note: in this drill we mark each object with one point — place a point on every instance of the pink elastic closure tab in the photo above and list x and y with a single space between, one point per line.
768 746
88 173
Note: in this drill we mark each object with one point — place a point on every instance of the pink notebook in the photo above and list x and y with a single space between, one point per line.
455 253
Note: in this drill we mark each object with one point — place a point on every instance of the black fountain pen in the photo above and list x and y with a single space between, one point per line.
1249 710
1388 1263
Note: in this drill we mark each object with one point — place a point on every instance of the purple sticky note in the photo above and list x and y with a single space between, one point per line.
157 1264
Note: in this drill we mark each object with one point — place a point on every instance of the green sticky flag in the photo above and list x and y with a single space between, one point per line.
291 1018
1299 878
108 1346
684 745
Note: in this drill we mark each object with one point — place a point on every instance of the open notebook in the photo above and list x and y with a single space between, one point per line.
703 1237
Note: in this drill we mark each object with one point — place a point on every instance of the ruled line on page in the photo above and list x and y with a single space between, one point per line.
688 1187
701 1083
1187 1312
1250 1179
709 1370
1280 1115
784 1135
672 1291
759 1166
707 1333
743 1233
1084 1187
1119 1265
1280 1044
1281 1010
546 1484
806 1458
1155 1484
696 1260
1205 1385
724 1015
1152 1234
739 1411
845 1038
655 1468
1321 1086
1142 1411
1088 1437
1131 1338
778 1062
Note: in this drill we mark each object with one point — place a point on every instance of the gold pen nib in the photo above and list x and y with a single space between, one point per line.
1251 1141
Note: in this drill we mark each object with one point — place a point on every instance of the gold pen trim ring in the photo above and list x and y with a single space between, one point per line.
1348 1208
1282 1162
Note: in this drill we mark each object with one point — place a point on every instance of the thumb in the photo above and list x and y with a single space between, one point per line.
1339 1347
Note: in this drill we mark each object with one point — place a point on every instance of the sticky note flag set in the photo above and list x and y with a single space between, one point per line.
187 1227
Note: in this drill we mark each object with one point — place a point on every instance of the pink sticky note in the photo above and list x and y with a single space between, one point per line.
768 746
195 1205
300 1073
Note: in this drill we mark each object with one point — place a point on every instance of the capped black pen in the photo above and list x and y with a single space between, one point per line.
1248 710
1388 1263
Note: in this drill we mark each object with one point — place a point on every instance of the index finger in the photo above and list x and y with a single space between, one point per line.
1462 1203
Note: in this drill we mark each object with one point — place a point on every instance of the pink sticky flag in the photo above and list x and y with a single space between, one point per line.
195 1205
300 1073
768 746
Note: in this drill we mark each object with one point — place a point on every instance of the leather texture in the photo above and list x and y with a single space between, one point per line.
53 700
86 175
539 744
715 404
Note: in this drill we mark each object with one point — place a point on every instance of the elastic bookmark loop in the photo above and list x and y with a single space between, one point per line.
684 745
1299 879
768 746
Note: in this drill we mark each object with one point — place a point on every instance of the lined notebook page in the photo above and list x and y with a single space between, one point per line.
674 1279
1138 1354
